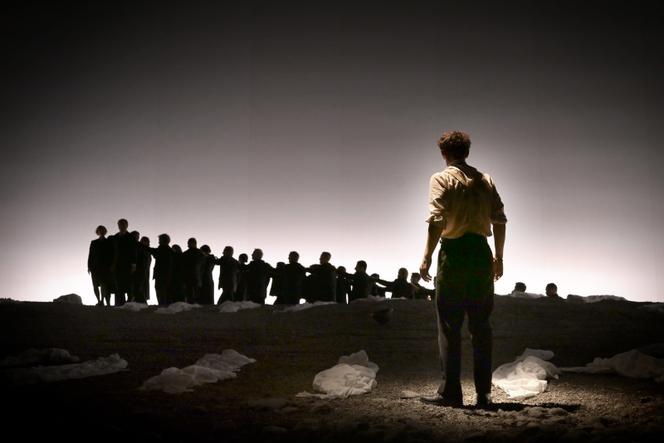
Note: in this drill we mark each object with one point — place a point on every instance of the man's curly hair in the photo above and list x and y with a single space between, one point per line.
455 144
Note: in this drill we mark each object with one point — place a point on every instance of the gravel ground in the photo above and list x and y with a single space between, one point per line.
292 347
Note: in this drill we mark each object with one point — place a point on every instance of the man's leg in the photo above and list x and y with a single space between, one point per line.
482 340
450 320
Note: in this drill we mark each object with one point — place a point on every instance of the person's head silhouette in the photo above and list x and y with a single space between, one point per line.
101 231
228 251
361 266
325 257
136 235
415 278
551 290
192 243
145 241
257 254
123 225
205 249
402 274
341 270
520 287
293 257
164 240
243 258
177 249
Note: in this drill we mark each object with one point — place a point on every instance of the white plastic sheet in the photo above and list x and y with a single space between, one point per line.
133 306
234 306
353 375
90 368
527 375
211 368
31 357
307 305
633 364
176 307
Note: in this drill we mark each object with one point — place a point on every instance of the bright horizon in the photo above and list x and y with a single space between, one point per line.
290 128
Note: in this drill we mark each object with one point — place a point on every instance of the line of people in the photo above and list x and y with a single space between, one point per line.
120 265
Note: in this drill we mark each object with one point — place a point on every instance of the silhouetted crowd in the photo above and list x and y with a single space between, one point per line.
120 264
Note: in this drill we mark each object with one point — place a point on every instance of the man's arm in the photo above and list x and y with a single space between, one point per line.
433 235
499 245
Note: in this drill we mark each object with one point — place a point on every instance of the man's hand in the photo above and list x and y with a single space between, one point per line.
424 269
497 268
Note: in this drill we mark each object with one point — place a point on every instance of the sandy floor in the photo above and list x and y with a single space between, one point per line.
292 347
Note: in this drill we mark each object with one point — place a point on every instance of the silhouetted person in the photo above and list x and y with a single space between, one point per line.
141 290
207 281
421 293
343 285
401 287
361 282
292 281
100 262
241 293
229 270
376 290
177 292
552 290
464 205
192 270
277 290
323 279
163 269
125 250
258 277
519 288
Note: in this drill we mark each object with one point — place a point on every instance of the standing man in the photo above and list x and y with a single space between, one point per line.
125 249
259 274
163 269
206 296
193 261
100 261
229 270
464 205
292 280
323 279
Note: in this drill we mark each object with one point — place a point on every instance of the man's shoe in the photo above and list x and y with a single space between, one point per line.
439 400
483 401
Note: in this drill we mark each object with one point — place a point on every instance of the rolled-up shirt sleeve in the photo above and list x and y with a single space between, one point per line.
497 207
436 207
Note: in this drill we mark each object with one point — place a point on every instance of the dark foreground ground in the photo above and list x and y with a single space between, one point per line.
292 347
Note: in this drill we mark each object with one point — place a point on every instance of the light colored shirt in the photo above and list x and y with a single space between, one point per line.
463 200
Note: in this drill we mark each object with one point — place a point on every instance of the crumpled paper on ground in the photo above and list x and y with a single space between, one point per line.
354 374
91 368
633 364
527 375
176 307
211 368
234 306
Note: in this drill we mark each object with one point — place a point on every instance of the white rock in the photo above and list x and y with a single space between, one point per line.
176 307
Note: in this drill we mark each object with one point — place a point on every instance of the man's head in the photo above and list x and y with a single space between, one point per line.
164 239
123 225
551 290
145 241
257 254
101 231
228 251
136 235
341 270
325 257
293 257
520 287
361 266
375 276
280 265
454 145
402 274
177 249
192 243
205 249
243 258
415 278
